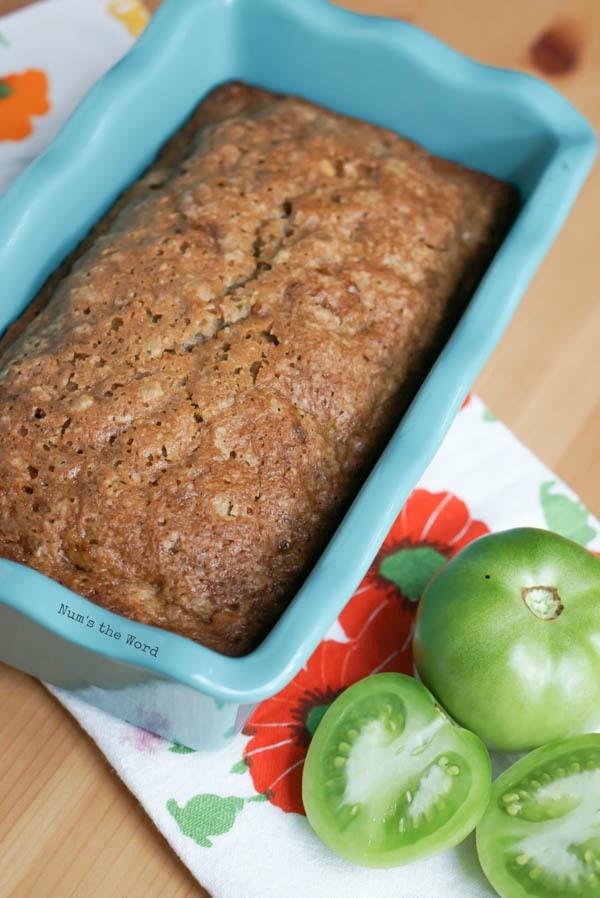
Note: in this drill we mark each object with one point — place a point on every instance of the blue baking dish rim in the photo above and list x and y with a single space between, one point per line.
306 620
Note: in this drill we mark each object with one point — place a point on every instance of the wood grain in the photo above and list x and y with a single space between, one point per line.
68 827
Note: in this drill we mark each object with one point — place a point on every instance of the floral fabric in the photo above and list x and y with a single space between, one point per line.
235 817
377 626
22 96
50 55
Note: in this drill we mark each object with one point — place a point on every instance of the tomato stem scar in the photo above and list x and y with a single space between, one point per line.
543 601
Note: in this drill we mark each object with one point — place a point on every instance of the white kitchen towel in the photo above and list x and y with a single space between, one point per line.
50 55
235 816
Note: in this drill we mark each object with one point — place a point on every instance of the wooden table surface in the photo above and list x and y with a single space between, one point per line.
68 827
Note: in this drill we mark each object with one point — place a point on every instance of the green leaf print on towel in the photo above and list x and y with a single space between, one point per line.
205 816
565 515
411 569
179 749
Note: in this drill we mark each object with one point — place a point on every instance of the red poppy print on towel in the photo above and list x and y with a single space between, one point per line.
22 96
377 622
431 528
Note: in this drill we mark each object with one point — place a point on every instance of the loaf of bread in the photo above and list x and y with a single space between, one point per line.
189 407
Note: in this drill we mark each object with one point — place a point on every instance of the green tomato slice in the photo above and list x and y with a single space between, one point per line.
540 835
388 778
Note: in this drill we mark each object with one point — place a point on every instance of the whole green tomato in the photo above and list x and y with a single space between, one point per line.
507 638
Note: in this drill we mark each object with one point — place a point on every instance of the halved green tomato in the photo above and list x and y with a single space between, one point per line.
388 778
540 835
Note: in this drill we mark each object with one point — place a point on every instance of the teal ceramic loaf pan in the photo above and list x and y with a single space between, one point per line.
388 72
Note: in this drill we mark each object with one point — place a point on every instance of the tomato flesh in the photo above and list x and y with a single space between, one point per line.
389 778
540 835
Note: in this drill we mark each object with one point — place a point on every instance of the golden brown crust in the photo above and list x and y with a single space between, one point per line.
186 418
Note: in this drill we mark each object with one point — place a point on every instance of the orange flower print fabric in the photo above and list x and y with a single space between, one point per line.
377 622
22 96
131 13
